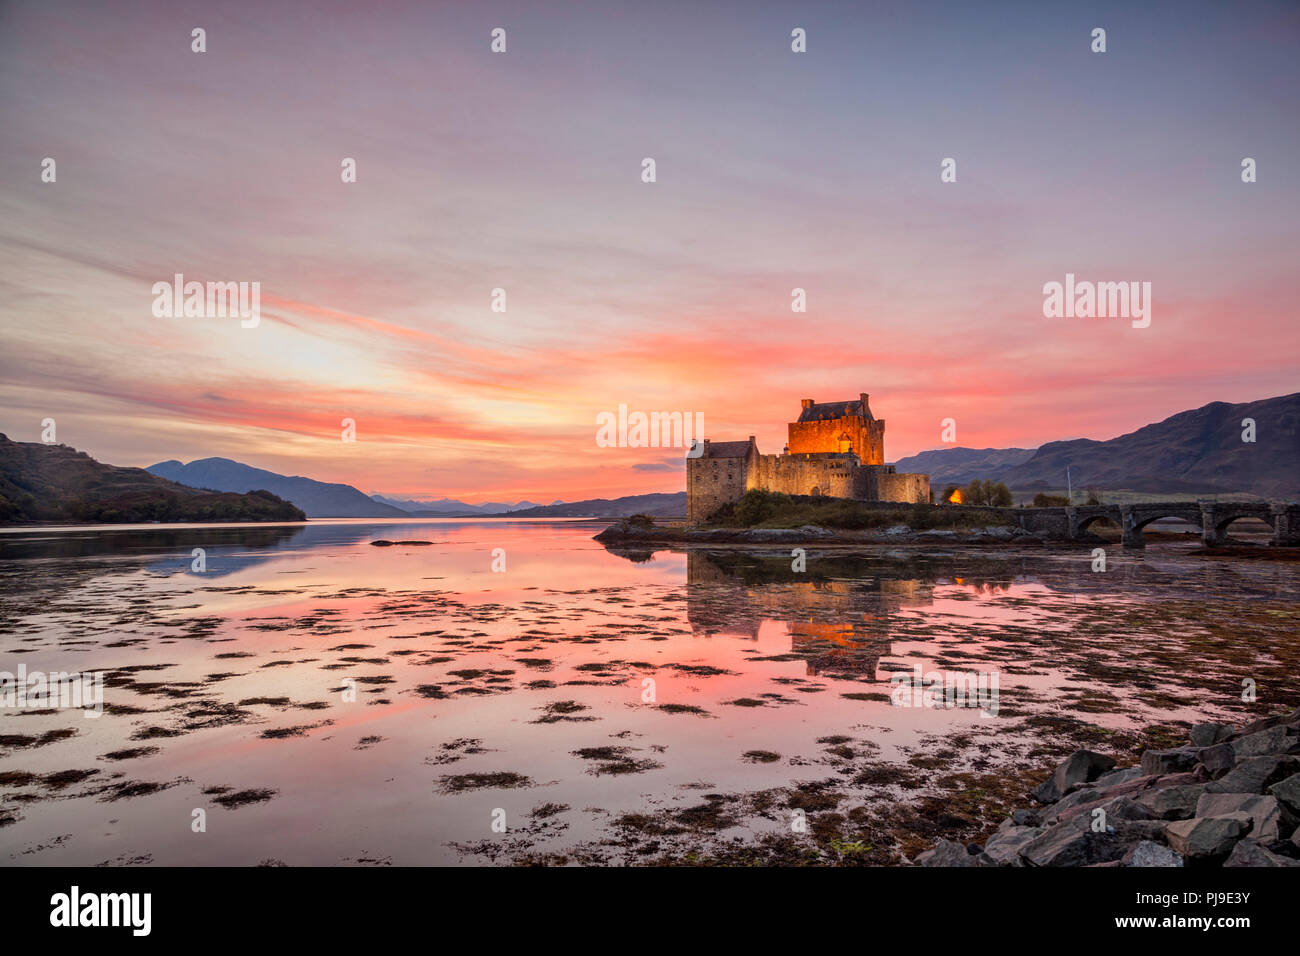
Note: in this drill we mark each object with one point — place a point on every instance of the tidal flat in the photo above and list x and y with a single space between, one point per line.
326 702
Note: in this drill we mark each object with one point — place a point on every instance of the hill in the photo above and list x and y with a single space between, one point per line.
41 482
451 508
659 505
960 466
1195 451
318 499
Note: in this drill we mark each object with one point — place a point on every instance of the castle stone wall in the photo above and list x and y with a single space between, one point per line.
911 488
712 483
801 476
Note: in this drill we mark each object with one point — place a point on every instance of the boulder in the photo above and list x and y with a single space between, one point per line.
1076 799
816 531
1072 843
1169 761
1025 818
1132 787
1250 853
1080 767
1217 760
1116 808
1265 722
1267 822
1150 853
1179 779
946 853
1255 775
1114 778
1287 793
1207 735
1003 848
1208 838
1173 803
1279 739
1132 831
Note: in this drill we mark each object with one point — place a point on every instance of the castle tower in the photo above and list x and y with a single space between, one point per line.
823 429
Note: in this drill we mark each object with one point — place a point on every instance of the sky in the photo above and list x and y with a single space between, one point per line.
522 170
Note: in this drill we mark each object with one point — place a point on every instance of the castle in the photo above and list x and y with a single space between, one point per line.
835 449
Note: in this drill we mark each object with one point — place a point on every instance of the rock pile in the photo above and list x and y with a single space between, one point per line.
1228 798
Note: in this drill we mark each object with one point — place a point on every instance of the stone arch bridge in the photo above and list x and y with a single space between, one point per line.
1213 518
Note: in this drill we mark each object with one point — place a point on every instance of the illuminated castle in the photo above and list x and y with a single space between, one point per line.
835 449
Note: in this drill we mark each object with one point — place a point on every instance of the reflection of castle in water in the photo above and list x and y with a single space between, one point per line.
838 616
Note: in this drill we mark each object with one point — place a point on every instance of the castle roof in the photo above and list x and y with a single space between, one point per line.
829 411
726 449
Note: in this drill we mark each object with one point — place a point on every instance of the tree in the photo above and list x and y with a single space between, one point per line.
987 493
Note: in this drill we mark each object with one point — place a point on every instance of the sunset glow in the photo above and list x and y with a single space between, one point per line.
672 296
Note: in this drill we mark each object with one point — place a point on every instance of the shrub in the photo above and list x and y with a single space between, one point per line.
1050 501
776 510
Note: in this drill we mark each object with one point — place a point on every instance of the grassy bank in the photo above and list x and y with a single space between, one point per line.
765 509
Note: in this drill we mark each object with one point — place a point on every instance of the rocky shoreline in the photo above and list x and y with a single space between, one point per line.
1228 798
629 532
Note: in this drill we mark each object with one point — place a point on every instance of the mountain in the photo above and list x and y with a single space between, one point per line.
1194 452
451 508
41 482
660 505
1198 450
318 499
960 466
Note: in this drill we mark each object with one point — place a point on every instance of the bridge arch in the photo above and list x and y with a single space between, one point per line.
1087 524
1221 518
1135 519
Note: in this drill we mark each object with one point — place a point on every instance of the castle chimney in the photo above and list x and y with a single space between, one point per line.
807 402
751 439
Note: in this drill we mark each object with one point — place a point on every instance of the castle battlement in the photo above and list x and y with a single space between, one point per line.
836 449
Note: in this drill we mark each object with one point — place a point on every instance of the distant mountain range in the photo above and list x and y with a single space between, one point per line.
451 508
1198 451
660 505
318 499
40 482
1194 452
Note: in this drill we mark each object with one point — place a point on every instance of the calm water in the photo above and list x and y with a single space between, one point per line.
327 701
